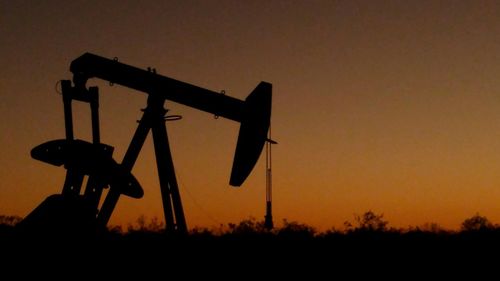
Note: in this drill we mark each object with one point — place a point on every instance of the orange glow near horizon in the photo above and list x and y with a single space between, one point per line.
387 106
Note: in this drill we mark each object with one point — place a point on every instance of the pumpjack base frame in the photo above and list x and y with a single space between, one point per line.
81 158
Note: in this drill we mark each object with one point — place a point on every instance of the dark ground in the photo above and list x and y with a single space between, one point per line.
244 255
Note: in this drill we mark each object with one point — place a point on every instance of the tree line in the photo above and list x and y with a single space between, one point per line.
368 222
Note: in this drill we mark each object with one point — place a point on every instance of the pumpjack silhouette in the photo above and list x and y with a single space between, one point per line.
76 210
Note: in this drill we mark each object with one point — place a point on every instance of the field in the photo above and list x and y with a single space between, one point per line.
249 249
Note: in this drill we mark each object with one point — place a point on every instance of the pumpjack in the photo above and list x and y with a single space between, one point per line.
78 210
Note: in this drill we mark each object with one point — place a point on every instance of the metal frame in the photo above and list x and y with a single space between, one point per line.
153 119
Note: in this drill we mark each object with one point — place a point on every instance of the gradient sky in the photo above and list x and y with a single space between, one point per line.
390 106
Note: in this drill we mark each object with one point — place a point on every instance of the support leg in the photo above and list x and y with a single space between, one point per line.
168 182
72 183
93 191
128 162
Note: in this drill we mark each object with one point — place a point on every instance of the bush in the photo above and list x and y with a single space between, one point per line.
476 223
295 229
9 220
368 222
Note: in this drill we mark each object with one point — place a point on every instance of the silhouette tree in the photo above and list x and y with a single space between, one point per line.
476 223
293 229
9 220
247 226
198 231
154 225
7 225
369 221
429 227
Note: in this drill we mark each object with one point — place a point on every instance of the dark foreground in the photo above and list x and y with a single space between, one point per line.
246 255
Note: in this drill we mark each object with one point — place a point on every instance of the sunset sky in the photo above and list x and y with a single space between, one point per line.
389 106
